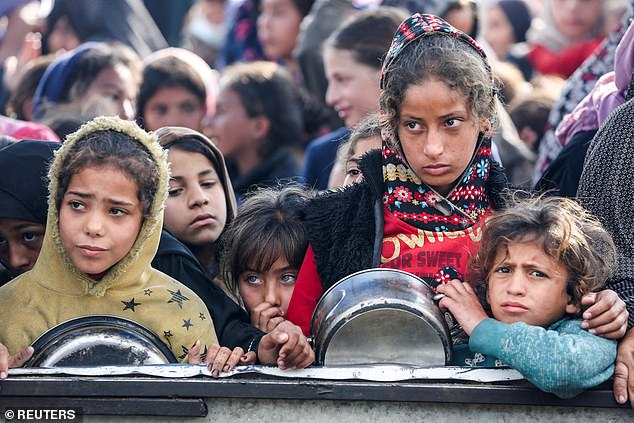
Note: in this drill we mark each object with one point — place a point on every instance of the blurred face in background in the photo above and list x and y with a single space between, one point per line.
173 106
576 18
499 32
278 28
62 36
353 87
118 85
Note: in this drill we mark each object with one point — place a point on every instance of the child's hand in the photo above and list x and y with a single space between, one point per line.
266 317
624 370
219 359
10 361
607 316
462 302
287 347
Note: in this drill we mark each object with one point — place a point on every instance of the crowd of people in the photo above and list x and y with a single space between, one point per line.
209 169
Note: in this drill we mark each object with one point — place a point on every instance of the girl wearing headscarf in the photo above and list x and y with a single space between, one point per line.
425 212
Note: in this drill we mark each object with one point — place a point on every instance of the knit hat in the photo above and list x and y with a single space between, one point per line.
518 15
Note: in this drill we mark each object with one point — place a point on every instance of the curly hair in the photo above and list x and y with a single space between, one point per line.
444 58
566 231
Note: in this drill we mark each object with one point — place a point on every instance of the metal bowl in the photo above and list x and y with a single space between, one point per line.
99 341
380 316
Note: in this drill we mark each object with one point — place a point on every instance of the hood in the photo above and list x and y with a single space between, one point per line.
170 134
54 269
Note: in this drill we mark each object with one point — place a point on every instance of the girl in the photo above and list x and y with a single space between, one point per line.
91 71
199 207
565 34
537 260
425 199
278 28
258 119
264 251
352 60
365 137
107 187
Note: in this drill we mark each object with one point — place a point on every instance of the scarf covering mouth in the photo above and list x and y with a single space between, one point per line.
405 194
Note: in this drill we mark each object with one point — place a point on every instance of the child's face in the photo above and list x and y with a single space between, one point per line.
99 218
274 286
353 88
232 129
20 244
438 133
196 208
278 27
117 84
173 106
353 173
526 285
499 31
576 18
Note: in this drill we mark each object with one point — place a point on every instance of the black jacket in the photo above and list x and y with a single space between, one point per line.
232 323
345 227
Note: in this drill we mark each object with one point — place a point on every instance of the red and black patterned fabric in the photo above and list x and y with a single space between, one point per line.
405 194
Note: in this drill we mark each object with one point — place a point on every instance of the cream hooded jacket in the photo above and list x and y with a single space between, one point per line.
55 291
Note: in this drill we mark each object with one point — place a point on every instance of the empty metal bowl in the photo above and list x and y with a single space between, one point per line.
380 316
99 341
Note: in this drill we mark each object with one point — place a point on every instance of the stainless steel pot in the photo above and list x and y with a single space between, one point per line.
380 316
99 341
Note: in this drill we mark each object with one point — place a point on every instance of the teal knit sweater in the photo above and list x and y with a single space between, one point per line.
563 359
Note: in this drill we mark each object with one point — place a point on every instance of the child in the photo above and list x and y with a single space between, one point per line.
107 187
176 90
538 259
265 248
364 137
199 207
424 201
23 194
278 28
258 121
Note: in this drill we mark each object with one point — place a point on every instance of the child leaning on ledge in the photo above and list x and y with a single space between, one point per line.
538 259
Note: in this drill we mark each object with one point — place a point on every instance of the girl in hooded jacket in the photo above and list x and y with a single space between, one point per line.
107 189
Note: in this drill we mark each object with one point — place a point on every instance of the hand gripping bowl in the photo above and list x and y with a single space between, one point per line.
99 341
380 316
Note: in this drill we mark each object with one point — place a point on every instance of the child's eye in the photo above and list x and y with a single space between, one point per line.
538 274
75 205
174 192
353 172
289 278
453 122
253 279
412 125
208 184
30 236
118 212
502 269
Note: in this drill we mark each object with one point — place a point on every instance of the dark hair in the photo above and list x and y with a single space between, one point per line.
168 72
111 148
447 59
303 6
95 61
565 230
532 111
26 85
266 89
367 35
267 227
